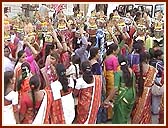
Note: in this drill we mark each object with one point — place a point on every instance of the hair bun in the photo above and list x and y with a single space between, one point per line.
123 63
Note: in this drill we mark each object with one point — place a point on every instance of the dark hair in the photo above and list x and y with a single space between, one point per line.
55 55
61 72
76 59
19 55
34 85
93 52
19 83
137 16
8 75
48 48
138 46
111 48
87 73
158 53
144 57
126 73
26 64
7 48
111 16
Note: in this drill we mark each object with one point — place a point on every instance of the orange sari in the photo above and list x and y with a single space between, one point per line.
89 100
142 111
54 112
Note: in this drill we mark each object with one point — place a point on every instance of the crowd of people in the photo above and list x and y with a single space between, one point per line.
83 70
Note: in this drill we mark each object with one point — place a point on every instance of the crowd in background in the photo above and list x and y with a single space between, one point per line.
83 70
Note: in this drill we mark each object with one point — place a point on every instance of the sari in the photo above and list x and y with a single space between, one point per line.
110 66
125 100
60 105
142 110
26 109
40 117
10 106
157 88
89 100
161 112
102 112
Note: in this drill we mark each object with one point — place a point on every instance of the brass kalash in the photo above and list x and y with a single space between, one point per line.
62 27
158 33
141 29
92 26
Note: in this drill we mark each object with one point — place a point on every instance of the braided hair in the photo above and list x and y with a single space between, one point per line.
34 85
61 72
87 73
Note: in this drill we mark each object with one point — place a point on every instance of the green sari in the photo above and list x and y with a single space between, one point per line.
125 100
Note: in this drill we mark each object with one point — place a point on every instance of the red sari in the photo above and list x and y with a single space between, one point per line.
26 108
89 100
142 111
54 112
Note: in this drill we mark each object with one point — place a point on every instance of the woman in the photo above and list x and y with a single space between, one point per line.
97 70
21 57
23 82
110 67
62 107
48 71
10 111
73 70
145 78
31 49
133 58
31 103
9 62
157 88
45 51
94 56
124 82
88 90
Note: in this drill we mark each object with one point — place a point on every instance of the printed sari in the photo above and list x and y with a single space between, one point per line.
142 109
60 105
89 100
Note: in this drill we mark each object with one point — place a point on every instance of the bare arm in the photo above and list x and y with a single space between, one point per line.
59 45
112 35
124 35
64 43
111 96
34 51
